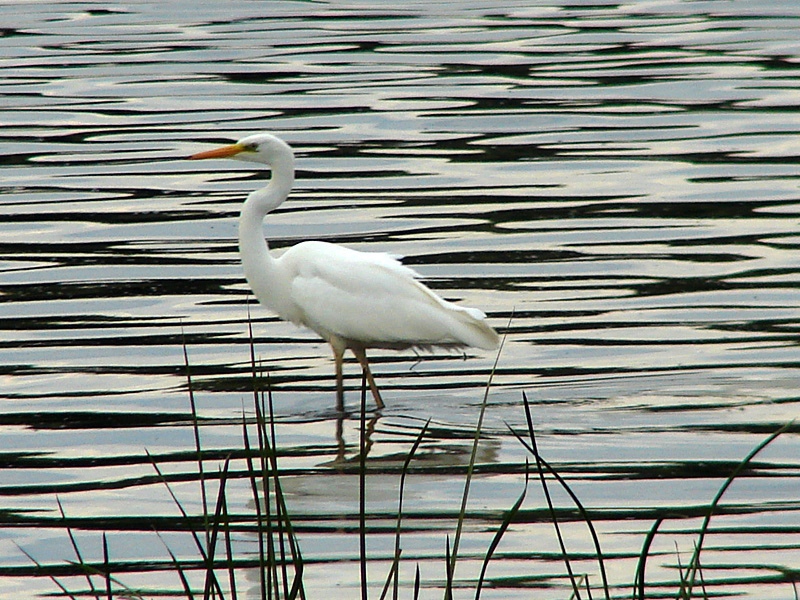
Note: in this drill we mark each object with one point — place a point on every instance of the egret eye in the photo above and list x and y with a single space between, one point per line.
250 147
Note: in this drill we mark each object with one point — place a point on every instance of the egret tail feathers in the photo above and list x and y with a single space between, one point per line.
475 331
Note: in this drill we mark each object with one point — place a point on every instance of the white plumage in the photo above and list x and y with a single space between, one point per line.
352 299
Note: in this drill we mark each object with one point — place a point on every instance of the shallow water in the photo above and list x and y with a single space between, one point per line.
615 185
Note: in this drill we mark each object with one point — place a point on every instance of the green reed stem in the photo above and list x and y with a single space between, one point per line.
471 467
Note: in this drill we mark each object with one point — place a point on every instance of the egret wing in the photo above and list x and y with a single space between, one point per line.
372 299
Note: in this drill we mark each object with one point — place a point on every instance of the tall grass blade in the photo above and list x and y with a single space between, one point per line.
39 566
229 550
264 567
196 429
540 462
107 567
585 579
575 587
639 578
199 544
500 532
271 584
280 506
76 549
448 566
687 583
471 466
271 575
269 470
702 579
274 530
268 571
178 569
394 574
214 533
362 489
282 511
105 574
532 448
680 568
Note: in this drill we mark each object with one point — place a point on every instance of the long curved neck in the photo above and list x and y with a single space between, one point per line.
261 202
259 265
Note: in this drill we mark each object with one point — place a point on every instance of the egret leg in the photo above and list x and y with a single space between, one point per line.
361 356
340 445
338 357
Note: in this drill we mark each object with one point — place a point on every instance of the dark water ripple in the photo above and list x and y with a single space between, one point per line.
616 185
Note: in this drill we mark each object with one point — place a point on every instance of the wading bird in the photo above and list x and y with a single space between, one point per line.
352 299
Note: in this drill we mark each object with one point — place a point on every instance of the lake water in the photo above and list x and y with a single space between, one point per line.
616 185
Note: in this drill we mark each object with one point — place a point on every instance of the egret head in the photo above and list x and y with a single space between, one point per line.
262 148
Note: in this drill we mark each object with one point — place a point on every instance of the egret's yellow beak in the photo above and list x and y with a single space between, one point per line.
224 152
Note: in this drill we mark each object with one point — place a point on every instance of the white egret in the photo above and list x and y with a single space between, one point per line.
352 299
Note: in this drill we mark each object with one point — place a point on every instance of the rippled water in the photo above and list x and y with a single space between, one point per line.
616 185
